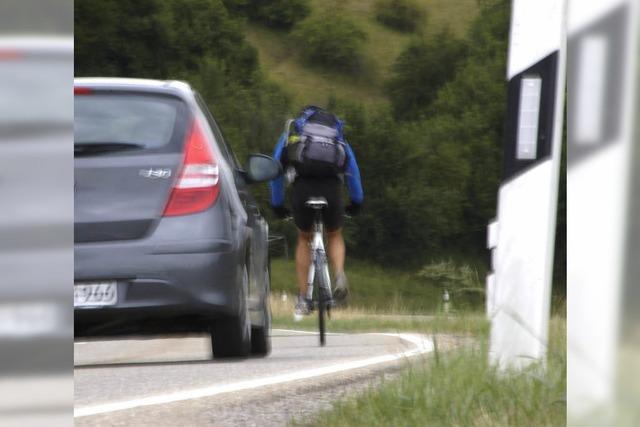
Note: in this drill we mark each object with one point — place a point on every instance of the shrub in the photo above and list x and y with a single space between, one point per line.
330 40
451 276
401 15
421 70
462 281
281 14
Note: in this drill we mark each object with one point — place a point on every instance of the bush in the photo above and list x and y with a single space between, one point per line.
401 15
461 281
281 14
449 275
421 70
331 41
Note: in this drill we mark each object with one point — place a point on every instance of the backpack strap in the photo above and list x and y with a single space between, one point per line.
287 130
339 128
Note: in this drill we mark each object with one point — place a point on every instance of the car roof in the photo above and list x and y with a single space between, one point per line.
144 85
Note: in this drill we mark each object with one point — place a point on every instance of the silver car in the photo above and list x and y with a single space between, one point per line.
168 237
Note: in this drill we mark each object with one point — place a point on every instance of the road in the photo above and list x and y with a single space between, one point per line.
172 381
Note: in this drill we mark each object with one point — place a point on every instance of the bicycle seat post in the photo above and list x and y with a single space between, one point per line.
317 204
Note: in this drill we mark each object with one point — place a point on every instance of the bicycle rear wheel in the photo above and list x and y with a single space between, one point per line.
321 319
321 287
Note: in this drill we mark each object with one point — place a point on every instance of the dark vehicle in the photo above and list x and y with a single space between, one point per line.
167 235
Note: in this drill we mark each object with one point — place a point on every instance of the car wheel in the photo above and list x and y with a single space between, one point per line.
260 335
231 337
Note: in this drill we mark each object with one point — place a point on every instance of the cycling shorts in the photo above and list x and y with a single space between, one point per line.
330 189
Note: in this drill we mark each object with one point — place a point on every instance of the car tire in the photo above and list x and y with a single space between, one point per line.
261 335
231 337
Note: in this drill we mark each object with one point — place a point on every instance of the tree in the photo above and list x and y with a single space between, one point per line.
421 70
193 40
401 15
331 41
431 181
475 99
281 14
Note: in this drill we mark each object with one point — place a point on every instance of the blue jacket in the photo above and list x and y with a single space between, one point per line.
352 175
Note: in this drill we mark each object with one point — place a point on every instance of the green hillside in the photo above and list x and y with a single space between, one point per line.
280 60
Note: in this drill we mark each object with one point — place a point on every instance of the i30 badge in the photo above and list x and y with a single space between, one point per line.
155 173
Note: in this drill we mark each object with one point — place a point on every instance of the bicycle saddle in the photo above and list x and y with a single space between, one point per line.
317 202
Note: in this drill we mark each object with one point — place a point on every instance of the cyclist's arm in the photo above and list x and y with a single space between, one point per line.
352 177
277 185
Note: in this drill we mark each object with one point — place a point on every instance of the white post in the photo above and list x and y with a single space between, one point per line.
602 86
522 236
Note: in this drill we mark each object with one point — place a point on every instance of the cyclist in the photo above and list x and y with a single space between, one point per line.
317 159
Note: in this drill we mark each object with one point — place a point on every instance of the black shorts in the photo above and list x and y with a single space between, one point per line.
330 189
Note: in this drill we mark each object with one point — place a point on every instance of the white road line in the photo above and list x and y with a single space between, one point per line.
297 331
423 345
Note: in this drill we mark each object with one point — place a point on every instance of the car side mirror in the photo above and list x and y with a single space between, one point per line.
261 168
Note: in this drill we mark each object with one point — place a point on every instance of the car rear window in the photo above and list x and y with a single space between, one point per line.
147 120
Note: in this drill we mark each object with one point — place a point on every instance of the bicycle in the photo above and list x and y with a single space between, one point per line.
322 299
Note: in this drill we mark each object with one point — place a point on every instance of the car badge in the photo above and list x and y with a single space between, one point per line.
155 173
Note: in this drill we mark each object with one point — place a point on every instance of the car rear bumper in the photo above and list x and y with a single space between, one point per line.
195 281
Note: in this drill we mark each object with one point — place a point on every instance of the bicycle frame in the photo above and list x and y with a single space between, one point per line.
318 257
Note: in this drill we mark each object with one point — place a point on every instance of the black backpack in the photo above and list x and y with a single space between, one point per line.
316 146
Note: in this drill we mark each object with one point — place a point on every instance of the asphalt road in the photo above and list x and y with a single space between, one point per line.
172 381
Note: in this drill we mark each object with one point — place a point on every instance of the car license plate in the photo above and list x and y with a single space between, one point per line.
95 294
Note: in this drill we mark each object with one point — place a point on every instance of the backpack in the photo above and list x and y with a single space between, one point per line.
316 146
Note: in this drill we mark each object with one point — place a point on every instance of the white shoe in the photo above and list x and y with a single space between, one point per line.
302 309
341 291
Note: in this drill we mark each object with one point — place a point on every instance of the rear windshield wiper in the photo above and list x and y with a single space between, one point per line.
89 148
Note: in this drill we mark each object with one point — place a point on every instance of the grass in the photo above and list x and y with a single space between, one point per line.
379 290
372 287
282 64
279 57
362 320
460 388
446 388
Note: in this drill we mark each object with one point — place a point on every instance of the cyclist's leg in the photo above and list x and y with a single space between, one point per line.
303 260
336 250
337 256
303 217
333 219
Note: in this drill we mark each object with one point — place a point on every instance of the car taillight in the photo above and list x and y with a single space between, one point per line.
82 90
196 188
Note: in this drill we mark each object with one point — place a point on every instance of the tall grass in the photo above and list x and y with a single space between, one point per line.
461 388
394 291
381 290
363 320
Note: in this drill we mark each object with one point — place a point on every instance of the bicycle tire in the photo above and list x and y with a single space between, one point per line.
322 300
